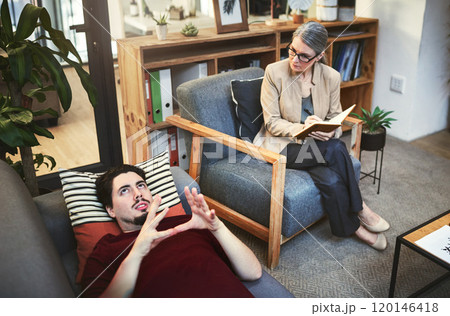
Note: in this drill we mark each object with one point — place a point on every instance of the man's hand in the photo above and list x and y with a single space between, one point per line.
149 237
202 216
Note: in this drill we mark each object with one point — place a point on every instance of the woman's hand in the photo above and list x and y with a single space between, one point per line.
322 136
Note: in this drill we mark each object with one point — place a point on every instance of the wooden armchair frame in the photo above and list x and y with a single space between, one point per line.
272 234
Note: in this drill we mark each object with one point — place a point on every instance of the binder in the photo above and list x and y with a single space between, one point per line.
187 72
183 158
166 93
148 97
173 145
159 142
156 96
351 60
358 65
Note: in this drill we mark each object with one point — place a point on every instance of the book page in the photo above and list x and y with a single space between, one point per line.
338 119
437 243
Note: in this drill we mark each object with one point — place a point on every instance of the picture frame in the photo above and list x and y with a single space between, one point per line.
230 15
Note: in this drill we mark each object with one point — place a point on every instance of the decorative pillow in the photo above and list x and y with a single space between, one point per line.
90 220
246 96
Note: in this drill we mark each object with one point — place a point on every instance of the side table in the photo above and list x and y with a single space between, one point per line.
409 238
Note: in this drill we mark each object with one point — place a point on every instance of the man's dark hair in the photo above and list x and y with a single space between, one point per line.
105 181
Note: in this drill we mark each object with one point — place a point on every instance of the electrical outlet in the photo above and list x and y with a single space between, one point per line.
398 83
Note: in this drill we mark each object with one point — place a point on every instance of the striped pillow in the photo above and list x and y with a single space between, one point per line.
80 193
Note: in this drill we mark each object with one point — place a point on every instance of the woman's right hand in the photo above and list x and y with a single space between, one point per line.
311 119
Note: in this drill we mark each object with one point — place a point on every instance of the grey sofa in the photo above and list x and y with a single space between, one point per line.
257 194
38 248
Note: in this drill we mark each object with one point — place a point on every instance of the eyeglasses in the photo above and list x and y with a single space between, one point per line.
301 57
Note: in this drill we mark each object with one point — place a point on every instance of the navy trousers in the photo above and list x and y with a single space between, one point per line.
331 169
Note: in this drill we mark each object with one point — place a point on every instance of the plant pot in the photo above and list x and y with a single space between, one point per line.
297 18
373 142
161 32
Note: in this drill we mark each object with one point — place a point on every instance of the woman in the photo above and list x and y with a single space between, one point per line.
295 93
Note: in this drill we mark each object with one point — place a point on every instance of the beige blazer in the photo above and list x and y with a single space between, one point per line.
281 100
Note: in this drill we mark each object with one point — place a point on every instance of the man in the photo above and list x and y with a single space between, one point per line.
181 256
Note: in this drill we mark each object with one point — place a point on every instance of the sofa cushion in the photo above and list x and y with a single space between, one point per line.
251 177
246 97
89 218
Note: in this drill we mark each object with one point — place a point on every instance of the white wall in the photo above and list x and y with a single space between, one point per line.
411 43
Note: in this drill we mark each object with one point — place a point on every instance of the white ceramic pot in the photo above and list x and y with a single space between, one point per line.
161 32
327 10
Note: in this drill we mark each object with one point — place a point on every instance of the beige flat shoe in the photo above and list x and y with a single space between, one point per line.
379 227
380 243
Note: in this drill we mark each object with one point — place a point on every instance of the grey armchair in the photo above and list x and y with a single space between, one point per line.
246 185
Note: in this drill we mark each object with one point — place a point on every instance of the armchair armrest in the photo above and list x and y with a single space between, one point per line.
227 140
355 143
278 162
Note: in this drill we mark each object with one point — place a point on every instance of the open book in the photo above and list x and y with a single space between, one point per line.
325 126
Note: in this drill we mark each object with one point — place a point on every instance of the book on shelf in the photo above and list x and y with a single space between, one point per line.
325 126
358 64
344 33
347 59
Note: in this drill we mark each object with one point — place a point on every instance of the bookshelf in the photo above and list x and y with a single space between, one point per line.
223 52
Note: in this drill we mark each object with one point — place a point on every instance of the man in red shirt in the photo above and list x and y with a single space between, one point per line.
182 256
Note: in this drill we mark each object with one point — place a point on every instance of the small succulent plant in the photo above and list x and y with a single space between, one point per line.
189 30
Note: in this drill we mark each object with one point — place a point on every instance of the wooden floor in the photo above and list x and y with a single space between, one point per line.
438 143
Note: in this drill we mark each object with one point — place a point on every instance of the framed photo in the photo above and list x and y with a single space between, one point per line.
230 15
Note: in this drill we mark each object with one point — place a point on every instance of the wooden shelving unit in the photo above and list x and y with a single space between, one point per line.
228 50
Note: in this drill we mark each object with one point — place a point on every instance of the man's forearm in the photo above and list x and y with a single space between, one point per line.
243 260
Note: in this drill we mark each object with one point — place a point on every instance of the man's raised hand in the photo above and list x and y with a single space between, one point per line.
149 237
202 216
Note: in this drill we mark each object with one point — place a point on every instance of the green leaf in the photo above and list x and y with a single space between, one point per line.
22 118
28 138
58 37
56 72
20 63
6 21
10 134
86 81
41 131
49 111
27 21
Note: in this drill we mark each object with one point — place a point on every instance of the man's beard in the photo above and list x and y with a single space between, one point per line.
140 220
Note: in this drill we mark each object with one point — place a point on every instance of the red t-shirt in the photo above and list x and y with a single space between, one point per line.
189 264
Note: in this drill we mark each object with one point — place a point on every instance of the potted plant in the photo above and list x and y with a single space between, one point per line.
374 128
161 26
24 61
